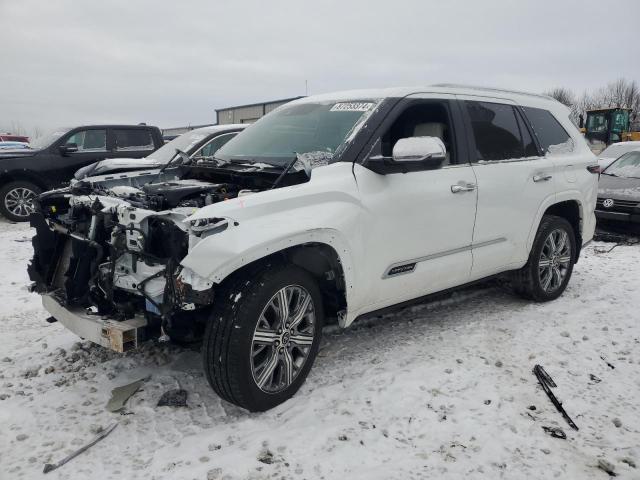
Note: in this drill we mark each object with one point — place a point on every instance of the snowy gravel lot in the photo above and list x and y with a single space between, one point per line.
443 391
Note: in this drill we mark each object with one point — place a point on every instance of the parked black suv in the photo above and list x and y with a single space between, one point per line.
54 158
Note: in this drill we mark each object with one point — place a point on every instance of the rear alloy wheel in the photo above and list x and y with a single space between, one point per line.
550 264
263 335
17 200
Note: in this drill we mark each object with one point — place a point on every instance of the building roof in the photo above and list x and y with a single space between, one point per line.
284 100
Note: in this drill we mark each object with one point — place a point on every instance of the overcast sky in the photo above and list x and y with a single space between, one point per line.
173 63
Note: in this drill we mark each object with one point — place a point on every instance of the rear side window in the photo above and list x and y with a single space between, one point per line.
496 131
133 140
546 127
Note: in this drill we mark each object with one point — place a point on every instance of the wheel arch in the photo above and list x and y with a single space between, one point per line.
21 175
321 252
572 210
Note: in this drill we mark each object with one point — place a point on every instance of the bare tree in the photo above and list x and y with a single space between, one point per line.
563 95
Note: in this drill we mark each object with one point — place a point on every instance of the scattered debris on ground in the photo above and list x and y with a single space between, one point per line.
555 432
607 467
173 398
547 383
52 466
120 395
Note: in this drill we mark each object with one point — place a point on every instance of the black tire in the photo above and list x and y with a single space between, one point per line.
8 208
228 343
529 282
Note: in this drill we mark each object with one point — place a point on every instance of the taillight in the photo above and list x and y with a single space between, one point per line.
594 169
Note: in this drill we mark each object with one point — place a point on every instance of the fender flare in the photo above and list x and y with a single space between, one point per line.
565 196
229 260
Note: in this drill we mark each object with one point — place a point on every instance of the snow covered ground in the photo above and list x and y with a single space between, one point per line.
437 391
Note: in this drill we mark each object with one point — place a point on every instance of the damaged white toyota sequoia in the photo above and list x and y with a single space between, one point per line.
327 209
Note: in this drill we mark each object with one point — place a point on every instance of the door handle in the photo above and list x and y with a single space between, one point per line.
463 187
541 178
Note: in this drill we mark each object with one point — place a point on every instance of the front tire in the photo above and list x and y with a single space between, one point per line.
550 264
16 200
263 336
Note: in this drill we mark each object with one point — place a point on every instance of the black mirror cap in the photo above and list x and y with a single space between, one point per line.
68 148
385 165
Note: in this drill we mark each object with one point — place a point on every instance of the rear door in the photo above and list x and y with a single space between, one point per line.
130 142
513 177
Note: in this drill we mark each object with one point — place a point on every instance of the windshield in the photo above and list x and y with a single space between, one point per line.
298 128
627 166
614 151
47 139
185 143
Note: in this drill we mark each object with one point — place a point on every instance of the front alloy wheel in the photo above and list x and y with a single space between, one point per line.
263 335
282 338
17 200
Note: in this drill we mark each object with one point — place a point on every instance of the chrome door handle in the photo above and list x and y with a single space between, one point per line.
541 178
463 187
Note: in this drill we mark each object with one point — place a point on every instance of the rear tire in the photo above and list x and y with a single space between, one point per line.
548 270
16 200
252 355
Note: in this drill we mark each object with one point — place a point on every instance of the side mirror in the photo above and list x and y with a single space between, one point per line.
420 149
68 148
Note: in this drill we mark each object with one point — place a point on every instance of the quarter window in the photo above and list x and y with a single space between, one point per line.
130 140
496 131
546 127
89 140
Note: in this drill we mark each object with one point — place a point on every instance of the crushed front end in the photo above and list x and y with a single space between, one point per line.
107 258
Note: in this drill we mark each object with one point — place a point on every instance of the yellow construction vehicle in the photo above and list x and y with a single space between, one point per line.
605 126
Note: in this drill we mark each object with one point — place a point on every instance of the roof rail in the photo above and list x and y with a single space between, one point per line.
489 89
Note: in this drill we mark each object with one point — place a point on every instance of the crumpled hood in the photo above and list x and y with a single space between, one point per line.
619 188
116 165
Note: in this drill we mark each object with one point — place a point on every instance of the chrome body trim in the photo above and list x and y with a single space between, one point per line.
437 255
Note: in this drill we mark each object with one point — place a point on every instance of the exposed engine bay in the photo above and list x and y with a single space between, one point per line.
112 245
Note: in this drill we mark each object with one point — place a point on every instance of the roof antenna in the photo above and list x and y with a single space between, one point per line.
306 89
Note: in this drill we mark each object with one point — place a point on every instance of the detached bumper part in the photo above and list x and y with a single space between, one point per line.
118 336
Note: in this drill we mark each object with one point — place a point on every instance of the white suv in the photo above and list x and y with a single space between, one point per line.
331 207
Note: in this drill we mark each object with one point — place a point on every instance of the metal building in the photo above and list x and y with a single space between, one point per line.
248 113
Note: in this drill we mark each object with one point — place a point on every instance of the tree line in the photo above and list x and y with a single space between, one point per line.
622 93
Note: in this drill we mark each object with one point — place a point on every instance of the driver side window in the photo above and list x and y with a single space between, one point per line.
89 140
423 119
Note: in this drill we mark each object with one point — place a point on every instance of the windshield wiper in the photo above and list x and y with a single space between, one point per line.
610 174
179 154
285 171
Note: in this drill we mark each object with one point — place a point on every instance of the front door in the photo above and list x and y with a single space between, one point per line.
419 226
92 147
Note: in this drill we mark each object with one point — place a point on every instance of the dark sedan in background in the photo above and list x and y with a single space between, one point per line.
53 159
619 191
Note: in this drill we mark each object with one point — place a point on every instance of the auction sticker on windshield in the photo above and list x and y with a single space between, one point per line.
351 107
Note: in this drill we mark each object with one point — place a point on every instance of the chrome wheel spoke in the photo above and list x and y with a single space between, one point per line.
287 367
301 339
283 305
265 337
266 375
301 311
